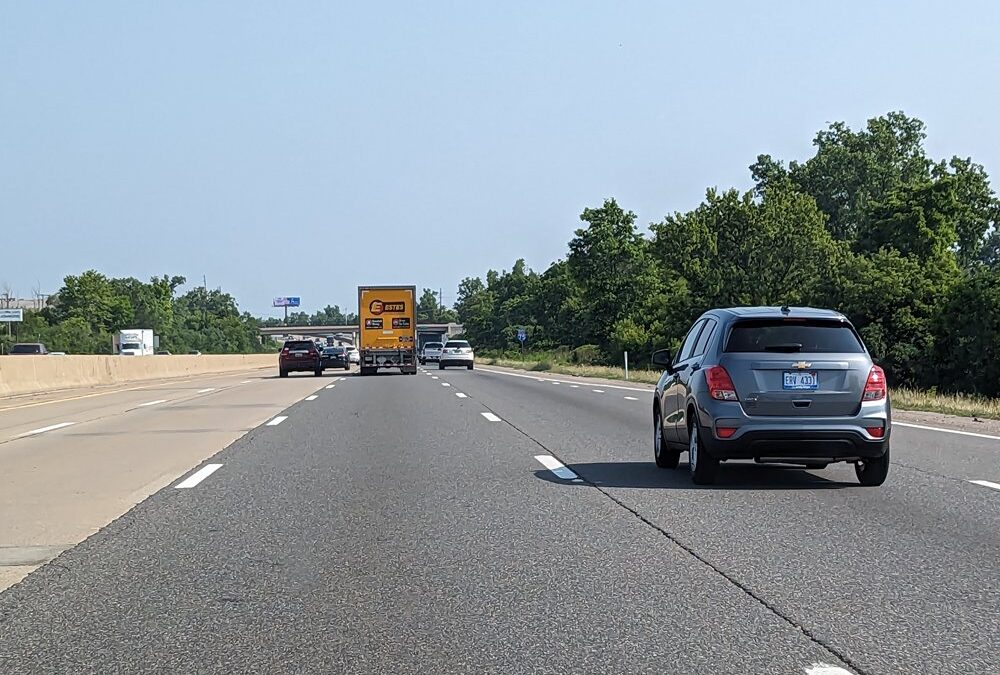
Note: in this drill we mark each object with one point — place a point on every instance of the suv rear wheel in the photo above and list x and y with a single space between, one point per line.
873 472
703 466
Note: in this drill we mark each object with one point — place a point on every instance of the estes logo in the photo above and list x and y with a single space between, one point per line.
378 307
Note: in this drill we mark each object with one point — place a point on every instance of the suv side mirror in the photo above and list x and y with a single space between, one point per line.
664 359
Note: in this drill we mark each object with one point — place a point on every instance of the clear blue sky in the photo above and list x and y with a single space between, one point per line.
305 148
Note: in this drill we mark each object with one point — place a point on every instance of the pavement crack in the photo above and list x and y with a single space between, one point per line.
732 580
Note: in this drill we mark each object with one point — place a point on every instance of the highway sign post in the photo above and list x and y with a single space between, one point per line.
10 316
286 302
522 336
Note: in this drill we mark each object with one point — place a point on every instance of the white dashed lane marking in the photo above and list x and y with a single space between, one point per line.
631 398
491 417
557 467
312 398
825 669
277 420
460 394
156 402
205 391
198 476
35 432
986 483
597 391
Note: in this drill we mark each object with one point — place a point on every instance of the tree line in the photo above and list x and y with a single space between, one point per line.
906 246
90 308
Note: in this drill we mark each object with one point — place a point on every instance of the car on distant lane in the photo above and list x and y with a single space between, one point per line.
785 385
431 352
353 355
335 357
28 348
457 353
299 356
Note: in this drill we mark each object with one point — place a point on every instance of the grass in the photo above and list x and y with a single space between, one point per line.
962 405
606 372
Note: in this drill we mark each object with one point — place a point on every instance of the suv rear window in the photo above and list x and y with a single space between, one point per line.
457 344
789 336
334 350
432 345
26 349
300 344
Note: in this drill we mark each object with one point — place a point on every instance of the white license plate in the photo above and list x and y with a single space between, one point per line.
801 380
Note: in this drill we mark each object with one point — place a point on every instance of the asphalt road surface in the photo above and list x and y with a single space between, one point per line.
472 522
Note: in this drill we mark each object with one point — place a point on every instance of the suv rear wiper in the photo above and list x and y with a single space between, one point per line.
785 347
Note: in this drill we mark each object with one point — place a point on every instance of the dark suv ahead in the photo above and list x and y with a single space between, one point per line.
299 355
790 385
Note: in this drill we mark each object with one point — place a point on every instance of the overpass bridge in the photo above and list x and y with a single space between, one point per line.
426 332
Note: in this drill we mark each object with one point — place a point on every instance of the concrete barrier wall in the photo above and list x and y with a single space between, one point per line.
35 374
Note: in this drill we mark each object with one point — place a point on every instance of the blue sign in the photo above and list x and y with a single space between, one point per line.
287 302
522 335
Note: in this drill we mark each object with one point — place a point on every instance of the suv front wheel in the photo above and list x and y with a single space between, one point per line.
666 457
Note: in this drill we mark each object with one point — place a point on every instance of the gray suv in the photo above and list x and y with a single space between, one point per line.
790 385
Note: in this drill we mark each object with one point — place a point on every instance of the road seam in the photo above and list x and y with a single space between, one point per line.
746 590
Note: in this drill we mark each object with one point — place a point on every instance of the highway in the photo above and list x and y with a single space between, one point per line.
470 522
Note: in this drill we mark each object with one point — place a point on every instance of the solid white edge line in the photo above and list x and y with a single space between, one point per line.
556 467
156 402
277 420
491 417
312 398
198 476
945 431
986 483
569 382
34 432
205 391
826 669
460 394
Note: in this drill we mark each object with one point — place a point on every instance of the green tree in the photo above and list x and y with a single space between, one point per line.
610 264
92 297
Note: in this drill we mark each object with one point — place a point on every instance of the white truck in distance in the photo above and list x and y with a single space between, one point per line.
136 342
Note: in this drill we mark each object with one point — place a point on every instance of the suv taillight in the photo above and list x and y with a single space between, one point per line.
875 386
284 352
720 385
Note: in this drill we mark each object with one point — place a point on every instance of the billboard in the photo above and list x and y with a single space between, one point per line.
8 315
292 301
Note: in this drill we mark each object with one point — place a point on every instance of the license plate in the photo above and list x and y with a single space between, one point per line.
801 381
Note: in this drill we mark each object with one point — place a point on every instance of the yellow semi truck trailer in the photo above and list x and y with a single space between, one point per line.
388 318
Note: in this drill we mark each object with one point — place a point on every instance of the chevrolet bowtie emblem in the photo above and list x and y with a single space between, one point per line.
802 365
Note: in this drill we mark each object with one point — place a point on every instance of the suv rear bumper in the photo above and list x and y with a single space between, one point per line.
298 366
813 444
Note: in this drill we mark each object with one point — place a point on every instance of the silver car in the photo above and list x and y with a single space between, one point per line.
785 385
457 353
431 352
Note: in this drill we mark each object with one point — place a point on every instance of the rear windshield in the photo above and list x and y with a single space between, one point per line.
334 350
26 349
432 345
784 336
456 344
300 344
